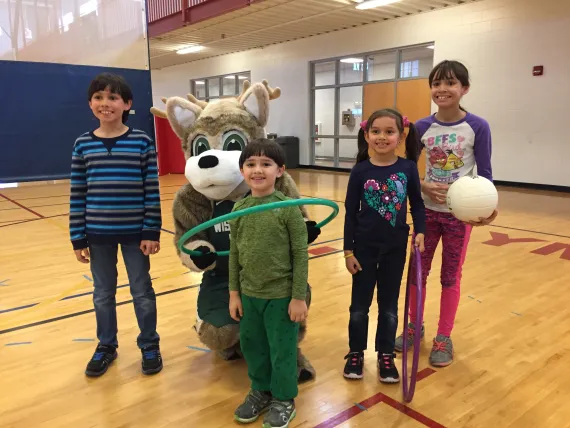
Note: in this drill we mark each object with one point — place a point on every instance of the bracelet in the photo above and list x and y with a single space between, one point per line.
346 256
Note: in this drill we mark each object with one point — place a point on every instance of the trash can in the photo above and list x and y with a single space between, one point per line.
291 147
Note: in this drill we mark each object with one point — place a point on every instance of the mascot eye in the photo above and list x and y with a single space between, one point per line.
200 145
234 140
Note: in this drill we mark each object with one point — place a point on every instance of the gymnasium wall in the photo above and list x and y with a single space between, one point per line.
50 50
499 40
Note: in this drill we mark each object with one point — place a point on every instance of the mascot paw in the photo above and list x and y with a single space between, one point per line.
313 231
305 371
231 354
205 260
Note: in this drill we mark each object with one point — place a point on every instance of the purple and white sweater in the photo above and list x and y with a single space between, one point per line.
454 150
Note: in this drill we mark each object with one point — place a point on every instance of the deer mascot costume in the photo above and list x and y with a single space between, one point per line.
213 136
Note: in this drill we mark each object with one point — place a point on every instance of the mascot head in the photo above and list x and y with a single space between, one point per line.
214 134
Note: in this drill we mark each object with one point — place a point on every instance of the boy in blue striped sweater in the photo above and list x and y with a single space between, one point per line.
115 200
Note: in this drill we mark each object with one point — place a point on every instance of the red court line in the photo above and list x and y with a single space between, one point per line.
383 398
32 219
321 250
21 206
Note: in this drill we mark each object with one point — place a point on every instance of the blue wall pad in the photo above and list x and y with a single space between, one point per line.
46 109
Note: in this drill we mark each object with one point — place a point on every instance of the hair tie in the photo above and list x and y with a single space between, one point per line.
406 121
363 125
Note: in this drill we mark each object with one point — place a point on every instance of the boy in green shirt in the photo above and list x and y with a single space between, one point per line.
268 272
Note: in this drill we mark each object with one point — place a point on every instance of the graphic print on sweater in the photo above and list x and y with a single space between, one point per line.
386 198
445 156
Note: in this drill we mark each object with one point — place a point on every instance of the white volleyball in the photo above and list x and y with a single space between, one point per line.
471 198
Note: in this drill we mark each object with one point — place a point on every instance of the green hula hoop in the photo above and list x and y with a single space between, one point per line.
253 210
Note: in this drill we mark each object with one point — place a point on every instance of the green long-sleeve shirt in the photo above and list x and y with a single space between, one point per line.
268 251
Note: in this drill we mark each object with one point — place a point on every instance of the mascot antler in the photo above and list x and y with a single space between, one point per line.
196 101
273 93
158 112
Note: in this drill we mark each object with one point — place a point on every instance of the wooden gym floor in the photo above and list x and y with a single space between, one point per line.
512 348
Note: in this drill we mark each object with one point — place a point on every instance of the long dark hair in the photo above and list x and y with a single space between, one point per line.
446 70
412 140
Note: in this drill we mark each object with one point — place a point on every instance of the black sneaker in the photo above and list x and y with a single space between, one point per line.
151 359
353 366
102 358
280 414
388 371
254 405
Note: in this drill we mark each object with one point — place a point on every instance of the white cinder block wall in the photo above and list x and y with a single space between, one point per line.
499 41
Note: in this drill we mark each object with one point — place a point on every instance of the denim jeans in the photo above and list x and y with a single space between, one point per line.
104 270
382 270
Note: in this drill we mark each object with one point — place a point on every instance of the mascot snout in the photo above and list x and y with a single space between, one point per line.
214 173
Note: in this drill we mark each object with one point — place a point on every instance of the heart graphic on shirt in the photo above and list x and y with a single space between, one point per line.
461 138
387 198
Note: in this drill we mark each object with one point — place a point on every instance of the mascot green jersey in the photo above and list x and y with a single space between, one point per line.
213 136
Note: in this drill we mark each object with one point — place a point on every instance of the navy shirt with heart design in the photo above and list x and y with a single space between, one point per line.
376 204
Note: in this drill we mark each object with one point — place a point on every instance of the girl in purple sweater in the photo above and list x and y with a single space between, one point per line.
457 143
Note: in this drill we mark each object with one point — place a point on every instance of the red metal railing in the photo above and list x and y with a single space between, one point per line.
158 9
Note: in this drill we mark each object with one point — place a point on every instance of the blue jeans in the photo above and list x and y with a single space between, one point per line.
104 270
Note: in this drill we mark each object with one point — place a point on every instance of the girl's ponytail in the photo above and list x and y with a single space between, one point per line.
362 144
412 142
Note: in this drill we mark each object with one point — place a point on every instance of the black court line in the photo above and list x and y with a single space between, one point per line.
75 314
67 203
530 231
334 200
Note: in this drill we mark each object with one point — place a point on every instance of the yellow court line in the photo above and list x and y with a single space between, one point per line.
33 313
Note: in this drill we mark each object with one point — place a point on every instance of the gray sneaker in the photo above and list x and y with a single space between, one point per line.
399 345
254 404
281 413
442 352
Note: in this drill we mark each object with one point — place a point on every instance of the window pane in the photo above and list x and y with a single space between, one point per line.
416 63
214 87
347 151
350 110
324 73
324 111
382 66
324 151
200 88
351 70
229 85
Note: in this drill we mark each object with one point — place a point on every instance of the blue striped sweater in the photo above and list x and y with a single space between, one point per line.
114 190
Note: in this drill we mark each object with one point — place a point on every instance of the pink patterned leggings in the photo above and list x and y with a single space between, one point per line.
455 237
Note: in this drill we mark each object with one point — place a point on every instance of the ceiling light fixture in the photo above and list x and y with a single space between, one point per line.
200 82
351 60
371 4
233 77
190 49
430 47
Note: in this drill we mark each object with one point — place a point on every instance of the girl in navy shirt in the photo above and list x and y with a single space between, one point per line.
376 234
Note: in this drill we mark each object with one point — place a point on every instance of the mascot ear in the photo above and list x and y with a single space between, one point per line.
255 99
181 114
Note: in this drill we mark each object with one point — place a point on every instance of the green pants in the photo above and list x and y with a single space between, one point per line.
268 340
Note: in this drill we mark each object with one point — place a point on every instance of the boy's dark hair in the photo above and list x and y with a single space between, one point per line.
116 85
412 140
450 70
263 147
